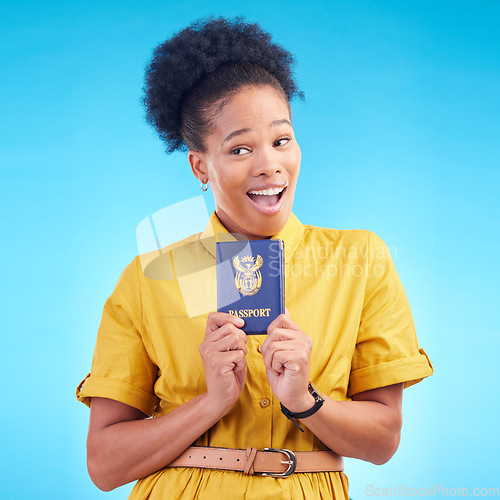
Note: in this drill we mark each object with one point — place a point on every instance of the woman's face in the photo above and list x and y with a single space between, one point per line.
252 162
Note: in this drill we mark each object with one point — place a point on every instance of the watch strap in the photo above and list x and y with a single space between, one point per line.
304 414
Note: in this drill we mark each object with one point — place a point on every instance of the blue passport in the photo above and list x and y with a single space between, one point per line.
250 281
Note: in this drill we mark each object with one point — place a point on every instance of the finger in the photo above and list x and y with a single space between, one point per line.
272 348
221 341
240 364
223 362
231 343
233 359
278 362
276 335
291 361
281 334
282 321
217 319
223 331
273 365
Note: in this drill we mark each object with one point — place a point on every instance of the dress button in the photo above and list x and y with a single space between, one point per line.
264 402
258 348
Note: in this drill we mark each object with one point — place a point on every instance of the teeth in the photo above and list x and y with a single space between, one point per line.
268 191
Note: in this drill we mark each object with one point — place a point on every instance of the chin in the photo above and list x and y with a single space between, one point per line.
269 226
252 223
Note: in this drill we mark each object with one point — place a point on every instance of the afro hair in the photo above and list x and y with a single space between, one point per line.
202 64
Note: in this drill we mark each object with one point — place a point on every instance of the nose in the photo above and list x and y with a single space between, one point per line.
266 163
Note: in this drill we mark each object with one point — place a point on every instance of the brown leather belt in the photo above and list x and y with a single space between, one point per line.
277 462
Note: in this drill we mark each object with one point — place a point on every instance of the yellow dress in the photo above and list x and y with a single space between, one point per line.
341 289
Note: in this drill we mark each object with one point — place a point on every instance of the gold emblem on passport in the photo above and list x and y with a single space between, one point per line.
248 278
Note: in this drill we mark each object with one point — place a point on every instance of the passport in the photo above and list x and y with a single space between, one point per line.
251 281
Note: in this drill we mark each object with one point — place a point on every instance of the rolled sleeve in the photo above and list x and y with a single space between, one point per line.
386 349
121 367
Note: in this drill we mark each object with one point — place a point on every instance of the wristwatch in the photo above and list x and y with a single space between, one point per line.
317 405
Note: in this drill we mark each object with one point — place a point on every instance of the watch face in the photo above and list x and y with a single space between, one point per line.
314 392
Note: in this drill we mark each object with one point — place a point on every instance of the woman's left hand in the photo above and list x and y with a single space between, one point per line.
287 354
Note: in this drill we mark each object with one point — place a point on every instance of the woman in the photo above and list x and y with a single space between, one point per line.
222 90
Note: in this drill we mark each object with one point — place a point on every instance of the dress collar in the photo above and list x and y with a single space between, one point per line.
291 234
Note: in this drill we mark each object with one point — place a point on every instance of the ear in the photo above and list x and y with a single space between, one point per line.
198 165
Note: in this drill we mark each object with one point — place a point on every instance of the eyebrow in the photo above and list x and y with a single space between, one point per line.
240 131
280 122
235 133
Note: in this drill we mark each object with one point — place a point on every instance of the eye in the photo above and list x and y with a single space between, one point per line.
282 141
240 151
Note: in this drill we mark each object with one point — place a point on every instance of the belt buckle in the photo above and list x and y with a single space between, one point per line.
291 462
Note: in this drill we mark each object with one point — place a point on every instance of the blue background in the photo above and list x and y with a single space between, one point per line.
399 135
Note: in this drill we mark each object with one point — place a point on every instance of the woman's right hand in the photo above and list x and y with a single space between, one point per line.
223 352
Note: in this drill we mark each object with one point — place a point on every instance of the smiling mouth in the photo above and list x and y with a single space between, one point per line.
267 197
